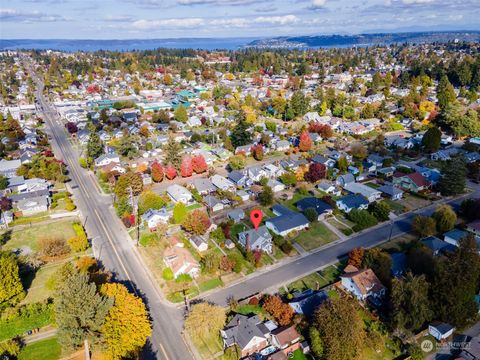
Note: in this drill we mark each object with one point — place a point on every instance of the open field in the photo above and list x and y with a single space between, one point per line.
48 349
317 235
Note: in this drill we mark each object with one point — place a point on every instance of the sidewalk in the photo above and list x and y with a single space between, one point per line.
44 333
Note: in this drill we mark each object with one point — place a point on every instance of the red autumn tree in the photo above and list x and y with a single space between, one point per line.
257 152
315 172
305 143
71 127
170 172
324 130
186 167
282 312
197 222
199 165
157 172
355 257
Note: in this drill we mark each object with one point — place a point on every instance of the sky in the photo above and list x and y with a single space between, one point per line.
154 19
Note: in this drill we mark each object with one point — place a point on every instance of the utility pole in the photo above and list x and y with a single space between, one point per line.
136 211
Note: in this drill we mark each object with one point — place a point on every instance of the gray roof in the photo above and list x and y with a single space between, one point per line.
242 329
18 197
390 190
256 238
204 185
211 201
35 201
236 214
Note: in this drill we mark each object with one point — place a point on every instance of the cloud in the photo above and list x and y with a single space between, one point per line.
317 4
413 2
242 22
168 23
28 17
118 18
216 2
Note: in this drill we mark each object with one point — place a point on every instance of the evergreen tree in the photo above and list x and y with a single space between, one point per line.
454 176
240 136
445 92
410 302
80 311
94 146
299 103
172 150
431 139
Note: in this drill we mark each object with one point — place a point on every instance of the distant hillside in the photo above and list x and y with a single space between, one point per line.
365 39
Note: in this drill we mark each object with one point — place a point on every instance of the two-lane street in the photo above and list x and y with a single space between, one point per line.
113 246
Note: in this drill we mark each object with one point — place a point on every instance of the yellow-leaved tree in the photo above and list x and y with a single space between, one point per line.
127 325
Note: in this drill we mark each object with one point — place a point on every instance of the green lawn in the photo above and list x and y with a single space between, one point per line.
290 203
308 282
208 347
210 284
299 355
317 235
38 290
48 349
20 325
372 185
249 309
396 207
330 275
236 229
29 236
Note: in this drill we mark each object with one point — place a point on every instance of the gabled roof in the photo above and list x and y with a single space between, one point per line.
417 178
313 202
365 280
288 222
353 200
242 329
285 335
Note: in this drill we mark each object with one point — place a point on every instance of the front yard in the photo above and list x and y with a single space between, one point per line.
317 235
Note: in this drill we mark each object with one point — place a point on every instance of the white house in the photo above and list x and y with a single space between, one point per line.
179 194
276 185
154 217
199 243
368 192
106 159
440 331
362 283
33 205
223 183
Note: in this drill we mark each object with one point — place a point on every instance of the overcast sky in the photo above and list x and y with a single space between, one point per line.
123 19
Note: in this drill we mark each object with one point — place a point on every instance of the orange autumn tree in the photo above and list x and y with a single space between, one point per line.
305 143
282 312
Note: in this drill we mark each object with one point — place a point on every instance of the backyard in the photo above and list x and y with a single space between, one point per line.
48 349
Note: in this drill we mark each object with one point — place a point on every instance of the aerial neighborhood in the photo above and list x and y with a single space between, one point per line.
364 164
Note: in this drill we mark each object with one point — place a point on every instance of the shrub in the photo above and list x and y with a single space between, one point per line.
311 214
69 205
362 219
183 278
78 243
83 162
53 247
10 349
86 264
167 274
286 247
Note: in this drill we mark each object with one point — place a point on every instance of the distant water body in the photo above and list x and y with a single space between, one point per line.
125 45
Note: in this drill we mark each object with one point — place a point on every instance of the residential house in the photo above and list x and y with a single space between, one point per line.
239 178
414 182
343 180
282 145
256 173
455 235
362 283
369 193
437 246
260 239
213 203
237 215
8 168
399 264
33 205
204 186
474 227
285 224
246 149
440 330
276 185
385 172
391 192
243 195
179 194
249 333
321 207
306 302
287 339
199 243
223 183
353 201
328 187
154 217
106 159
319 159
181 261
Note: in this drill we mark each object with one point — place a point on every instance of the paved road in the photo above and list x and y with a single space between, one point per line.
315 260
114 247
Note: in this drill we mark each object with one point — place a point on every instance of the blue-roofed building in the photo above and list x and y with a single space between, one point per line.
391 192
285 224
353 201
280 210
321 207
399 264
306 302
186 95
455 235
438 246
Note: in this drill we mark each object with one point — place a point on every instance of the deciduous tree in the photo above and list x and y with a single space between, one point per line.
127 325
316 171
205 321
11 288
282 312
305 142
157 172
197 222
186 167
424 225
199 164
445 218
